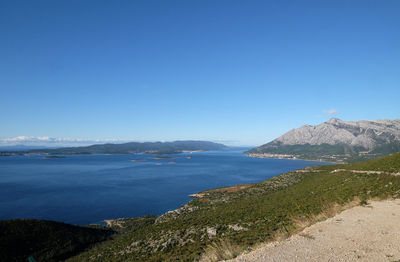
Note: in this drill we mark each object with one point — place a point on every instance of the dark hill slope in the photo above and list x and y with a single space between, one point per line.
46 240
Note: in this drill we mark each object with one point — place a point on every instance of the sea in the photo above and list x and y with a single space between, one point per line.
87 189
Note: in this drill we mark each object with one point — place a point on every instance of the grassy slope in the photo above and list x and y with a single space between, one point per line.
45 240
224 222
387 164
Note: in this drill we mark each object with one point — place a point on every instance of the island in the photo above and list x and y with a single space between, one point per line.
158 148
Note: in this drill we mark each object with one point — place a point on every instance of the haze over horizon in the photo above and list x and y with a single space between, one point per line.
30 141
242 73
73 142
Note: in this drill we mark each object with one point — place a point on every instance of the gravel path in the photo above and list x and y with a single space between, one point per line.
370 233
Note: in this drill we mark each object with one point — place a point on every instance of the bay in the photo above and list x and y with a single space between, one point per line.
84 189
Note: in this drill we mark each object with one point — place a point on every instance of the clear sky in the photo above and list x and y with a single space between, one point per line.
240 72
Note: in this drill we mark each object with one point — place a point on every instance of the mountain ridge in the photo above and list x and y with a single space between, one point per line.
347 140
131 148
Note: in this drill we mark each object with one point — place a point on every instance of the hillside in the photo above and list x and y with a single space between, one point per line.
132 147
361 233
335 140
222 223
46 240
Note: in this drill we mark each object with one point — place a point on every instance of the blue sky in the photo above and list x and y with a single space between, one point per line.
241 72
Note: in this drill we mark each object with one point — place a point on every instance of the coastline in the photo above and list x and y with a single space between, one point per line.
202 194
107 220
199 195
289 157
114 222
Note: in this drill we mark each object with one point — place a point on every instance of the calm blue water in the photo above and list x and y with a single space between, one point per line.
85 189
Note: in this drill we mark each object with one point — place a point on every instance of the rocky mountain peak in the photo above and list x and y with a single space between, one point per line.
334 120
336 140
366 134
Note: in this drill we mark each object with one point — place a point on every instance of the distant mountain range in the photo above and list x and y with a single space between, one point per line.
336 140
130 148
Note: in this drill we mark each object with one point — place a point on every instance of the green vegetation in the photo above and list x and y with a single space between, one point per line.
127 148
306 150
389 164
224 222
46 240
326 152
386 149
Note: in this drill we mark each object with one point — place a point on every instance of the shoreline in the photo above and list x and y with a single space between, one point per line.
199 195
288 157
111 221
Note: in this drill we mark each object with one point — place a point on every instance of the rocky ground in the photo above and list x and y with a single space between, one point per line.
361 233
